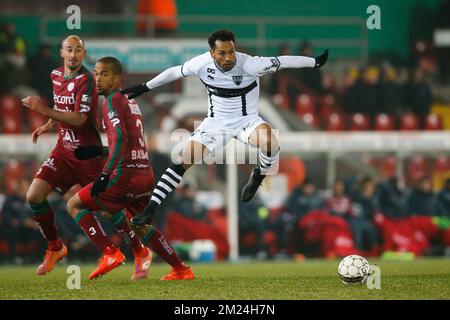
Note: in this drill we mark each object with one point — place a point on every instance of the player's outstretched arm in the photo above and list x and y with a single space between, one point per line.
75 119
302 61
164 77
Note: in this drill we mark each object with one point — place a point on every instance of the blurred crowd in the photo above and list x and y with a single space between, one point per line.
358 215
377 88
27 75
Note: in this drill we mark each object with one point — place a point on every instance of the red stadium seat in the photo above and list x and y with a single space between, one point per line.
328 100
442 163
416 168
310 119
14 171
433 122
35 120
35 166
409 122
335 122
388 166
305 103
11 115
384 122
281 100
359 122
328 106
371 161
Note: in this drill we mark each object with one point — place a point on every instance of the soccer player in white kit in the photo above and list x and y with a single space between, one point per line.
232 82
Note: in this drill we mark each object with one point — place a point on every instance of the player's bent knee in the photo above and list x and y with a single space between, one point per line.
37 192
74 205
33 197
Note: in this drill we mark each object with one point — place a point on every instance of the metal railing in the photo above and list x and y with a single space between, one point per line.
257 29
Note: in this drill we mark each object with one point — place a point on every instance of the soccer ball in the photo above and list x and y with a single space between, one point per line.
354 269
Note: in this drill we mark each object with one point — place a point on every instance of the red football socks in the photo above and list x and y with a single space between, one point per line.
130 237
90 225
162 247
45 218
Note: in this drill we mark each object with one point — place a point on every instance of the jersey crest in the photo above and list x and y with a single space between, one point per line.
237 80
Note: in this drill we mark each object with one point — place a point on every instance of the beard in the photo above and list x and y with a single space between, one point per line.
73 67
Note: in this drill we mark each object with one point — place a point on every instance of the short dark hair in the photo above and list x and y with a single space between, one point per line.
115 64
222 35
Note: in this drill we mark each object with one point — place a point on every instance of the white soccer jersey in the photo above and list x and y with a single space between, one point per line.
233 93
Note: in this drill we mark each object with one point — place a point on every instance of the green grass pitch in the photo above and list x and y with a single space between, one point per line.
311 279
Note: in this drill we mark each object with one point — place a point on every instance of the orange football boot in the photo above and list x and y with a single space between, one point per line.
112 258
50 260
183 273
141 265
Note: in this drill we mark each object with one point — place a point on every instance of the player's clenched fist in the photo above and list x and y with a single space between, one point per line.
35 104
135 90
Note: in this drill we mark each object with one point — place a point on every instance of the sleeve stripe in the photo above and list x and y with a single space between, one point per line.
119 138
182 70
279 63
91 80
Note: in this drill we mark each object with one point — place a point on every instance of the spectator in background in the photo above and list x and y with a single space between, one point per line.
304 199
442 21
310 78
387 91
339 204
279 80
41 65
422 200
160 162
13 59
11 44
354 94
292 82
186 205
18 229
442 203
164 14
253 222
417 94
364 207
392 198
361 96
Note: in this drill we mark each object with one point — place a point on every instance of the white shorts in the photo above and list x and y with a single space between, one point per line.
215 133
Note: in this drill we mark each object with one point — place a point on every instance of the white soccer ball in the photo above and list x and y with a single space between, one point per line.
354 269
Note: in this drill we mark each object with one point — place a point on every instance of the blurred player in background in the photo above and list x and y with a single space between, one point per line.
232 82
125 181
75 112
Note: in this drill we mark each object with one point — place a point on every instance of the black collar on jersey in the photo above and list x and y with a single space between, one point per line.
229 93
221 69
